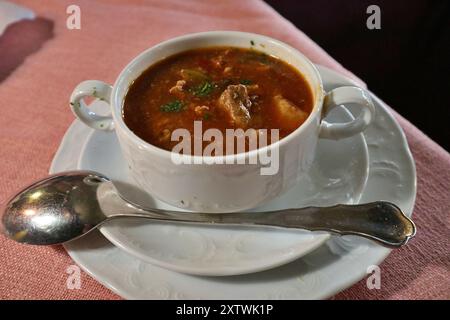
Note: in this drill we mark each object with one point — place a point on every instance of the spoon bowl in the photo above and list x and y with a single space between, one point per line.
57 209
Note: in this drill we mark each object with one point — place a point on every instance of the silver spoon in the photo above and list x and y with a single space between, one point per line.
68 205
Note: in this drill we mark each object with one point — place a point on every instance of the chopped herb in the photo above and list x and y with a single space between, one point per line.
72 104
252 42
204 89
173 106
245 82
206 116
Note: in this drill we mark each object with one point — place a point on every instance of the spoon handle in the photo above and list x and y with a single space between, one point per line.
380 221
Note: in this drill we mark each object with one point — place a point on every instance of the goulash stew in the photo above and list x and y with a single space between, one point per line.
224 87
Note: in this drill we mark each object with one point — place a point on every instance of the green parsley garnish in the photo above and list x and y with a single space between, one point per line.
252 42
174 106
206 116
203 89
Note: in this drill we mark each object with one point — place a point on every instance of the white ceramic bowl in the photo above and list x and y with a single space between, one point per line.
221 187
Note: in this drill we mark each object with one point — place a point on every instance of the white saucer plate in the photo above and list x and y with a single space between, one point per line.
319 274
338 175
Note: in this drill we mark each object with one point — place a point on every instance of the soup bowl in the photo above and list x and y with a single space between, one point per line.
231 182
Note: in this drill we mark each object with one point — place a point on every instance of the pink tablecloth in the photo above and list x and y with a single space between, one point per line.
34 115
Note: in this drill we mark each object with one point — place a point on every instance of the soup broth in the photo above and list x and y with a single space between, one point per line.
224 87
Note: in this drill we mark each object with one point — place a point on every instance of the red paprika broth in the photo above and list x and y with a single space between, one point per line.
224 87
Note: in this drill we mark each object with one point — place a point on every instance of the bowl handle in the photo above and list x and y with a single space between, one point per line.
345 95
96 89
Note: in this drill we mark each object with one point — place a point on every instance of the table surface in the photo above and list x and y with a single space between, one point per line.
41 61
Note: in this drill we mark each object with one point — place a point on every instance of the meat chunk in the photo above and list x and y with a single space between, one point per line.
200 110
288 113
177 89
235 101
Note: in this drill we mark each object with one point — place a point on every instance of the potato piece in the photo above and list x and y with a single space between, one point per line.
235 101
290 115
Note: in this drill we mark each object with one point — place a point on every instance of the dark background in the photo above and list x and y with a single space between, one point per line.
406 63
